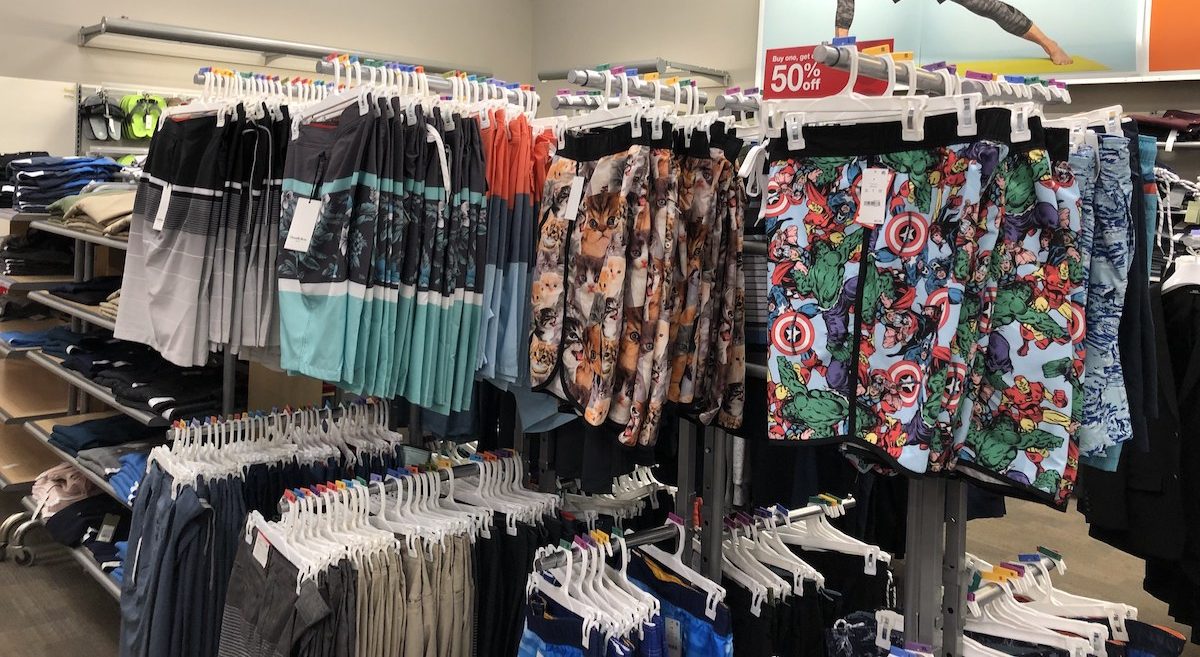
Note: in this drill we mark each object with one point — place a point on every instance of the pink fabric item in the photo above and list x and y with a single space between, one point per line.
59 487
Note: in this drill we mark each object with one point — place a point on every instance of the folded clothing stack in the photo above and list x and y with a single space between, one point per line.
103 432
136 374
21 308
57 341
41 181
88 293
97 523
102 212
37 254
59 487
111 306
7 186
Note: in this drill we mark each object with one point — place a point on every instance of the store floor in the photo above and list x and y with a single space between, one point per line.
53 609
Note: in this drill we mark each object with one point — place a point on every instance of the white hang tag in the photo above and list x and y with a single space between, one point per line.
674 638
872 197
108 528
869 563
304 222
160 215
149 121
967 126
262 548
885 622
1116 620
576 195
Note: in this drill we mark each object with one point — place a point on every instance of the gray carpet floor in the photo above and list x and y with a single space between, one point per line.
54 609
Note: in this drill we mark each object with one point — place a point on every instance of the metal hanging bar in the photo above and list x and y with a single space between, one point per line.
637 87
440 84
270 49
875 66
659 65
574 101
670 532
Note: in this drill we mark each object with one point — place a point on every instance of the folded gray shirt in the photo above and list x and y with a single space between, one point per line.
105 461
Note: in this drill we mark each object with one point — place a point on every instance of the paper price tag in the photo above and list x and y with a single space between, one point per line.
674 638
160 215
872 197
149 121
108 528
262 548
1192 215
573 200
304 222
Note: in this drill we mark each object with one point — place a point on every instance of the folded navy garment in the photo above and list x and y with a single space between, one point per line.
48 180
58 163
82 520
89 293
100 432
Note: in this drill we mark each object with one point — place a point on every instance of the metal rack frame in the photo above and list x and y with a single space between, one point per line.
658 65
271 50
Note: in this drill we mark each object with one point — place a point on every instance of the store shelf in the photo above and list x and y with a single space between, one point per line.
54 365
1181 144
26 393
59 229
27 283
41 429
85 559
22 459
8 351
89 314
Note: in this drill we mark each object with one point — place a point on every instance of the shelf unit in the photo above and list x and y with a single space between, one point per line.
42 429
89 314
11 283
83 236
9 351
88 562
27 394
22 459
85 559
54 365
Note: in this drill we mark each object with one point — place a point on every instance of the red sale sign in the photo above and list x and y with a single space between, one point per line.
793 73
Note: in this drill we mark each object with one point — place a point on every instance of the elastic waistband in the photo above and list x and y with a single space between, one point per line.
593 145
864 139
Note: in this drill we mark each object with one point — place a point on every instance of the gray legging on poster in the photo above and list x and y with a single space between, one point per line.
1008 17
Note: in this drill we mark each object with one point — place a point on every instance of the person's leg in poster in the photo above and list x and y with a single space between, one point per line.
1008 17
844 18
1014 21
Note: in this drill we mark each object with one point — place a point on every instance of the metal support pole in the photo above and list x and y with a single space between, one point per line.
923 562
954 573
715 504
75 396
228 380
547 477
685 495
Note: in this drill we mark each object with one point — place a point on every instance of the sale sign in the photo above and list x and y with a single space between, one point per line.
794 73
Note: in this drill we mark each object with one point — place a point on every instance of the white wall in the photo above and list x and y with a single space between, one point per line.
39 37
578 33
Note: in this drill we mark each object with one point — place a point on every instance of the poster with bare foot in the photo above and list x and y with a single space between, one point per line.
1060 39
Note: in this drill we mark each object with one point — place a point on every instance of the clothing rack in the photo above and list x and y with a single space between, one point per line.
441 84
392 486
668 532
637 87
